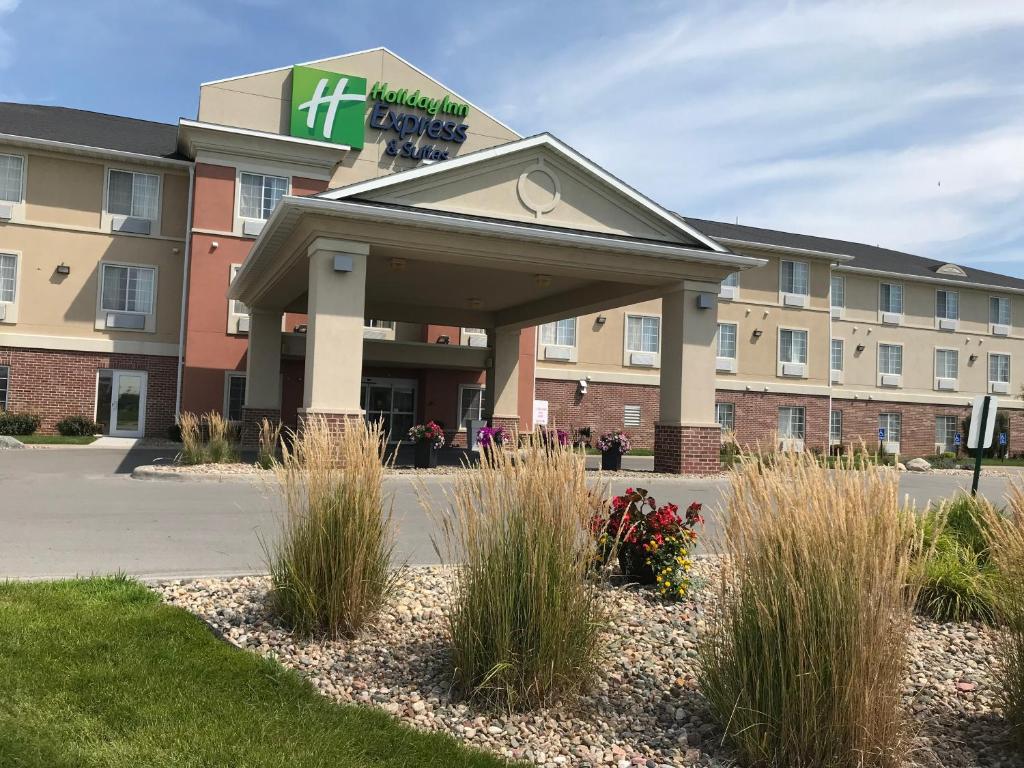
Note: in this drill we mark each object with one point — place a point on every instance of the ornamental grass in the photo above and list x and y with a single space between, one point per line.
330 567
192 449
525 612
1004 535
805 654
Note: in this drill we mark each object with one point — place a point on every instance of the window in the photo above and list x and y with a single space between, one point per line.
234 396
237 307
945 433
792 346
999 310
631 415
890 298
890 359
260 195
947 363
891 423
836 356
561 333
947 305
128 289
12 174
471 404
999 368
727 340
838 291
8 278
725 415
5 385
386 324
642 333
791 423
133 194
794 277
835 427
732 280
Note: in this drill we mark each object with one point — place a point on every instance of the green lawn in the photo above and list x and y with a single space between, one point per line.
56 439
99 672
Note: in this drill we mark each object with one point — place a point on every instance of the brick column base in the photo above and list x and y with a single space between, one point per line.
252 418
511 425
336 422
687 450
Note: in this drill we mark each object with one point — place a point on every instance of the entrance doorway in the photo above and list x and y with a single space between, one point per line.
391 402
121 402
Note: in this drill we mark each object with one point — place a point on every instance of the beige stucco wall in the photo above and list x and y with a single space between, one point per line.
63 190
262 102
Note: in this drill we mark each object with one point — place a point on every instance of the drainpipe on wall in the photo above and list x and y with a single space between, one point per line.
184 292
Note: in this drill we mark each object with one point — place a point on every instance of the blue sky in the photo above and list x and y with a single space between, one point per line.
899 124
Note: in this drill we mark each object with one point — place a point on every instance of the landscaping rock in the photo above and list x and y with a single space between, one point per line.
918 465
11 444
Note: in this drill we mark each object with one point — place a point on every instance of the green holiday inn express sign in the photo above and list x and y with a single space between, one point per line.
330 107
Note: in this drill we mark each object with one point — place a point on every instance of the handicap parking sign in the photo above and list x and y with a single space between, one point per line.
1002 438
956 439
881 433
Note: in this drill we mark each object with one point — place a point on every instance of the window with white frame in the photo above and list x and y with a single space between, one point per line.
642 333
725 415
732 280
947 363
791 423
561 333
890 298
835 427
892 424
237 307
128 289
836 355
260 194
133 194
945 433
998 368
5 385
8 278
12 178
947 305
234 396
838 291
727 340
471 404
890 359
999 310
792 346
794 278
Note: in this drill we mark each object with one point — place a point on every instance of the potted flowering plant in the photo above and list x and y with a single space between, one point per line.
554 436
654 544
427 438
612 445
490 438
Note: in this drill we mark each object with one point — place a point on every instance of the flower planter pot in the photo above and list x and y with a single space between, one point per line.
426 455
611 461
633 565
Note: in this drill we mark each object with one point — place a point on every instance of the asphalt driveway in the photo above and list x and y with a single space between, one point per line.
70 512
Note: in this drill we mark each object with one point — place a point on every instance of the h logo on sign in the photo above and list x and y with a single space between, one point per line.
328 106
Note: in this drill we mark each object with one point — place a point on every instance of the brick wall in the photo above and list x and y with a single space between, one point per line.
55 384
757 416
601 408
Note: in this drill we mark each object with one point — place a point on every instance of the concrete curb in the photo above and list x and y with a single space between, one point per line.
151 472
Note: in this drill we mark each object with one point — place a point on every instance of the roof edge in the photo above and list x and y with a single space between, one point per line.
31 141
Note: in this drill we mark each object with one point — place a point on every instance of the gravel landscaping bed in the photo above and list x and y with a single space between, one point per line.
646 709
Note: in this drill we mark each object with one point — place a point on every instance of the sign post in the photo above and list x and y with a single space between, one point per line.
983 426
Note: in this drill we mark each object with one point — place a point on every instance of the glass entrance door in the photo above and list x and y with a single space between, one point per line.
121 403
391 402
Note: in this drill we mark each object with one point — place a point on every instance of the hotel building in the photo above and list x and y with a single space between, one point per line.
351 238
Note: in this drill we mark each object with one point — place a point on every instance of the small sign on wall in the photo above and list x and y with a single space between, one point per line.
540 413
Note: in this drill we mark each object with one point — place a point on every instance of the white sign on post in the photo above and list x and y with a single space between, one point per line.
976 425
540 413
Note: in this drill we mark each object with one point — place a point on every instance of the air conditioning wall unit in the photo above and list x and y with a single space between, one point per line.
131 225
794 369
892 380
252 228
125 321
6 211
243 324
645 359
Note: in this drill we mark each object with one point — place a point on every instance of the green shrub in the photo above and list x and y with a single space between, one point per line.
525 618
957 582
804 658
331 566
78 426
12 423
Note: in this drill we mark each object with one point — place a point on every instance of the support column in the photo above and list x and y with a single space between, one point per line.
262 374
687 438
334 335
502 394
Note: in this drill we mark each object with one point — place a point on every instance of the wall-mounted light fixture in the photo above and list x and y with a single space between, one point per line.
860 348
973 358
443 339
214 245
397 264
63 269
758 333
543 281
601 320
582 386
